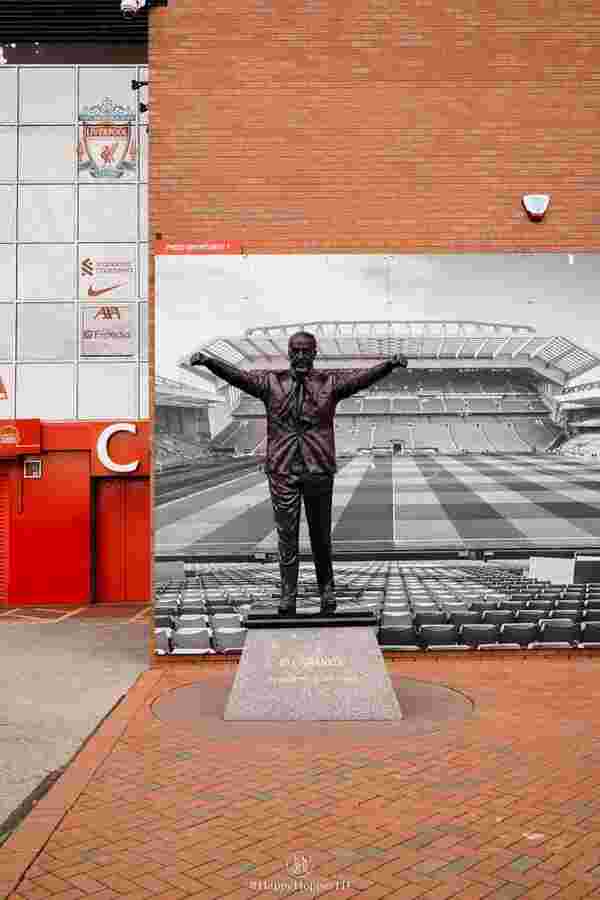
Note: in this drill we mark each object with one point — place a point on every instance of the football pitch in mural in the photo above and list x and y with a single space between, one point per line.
452 382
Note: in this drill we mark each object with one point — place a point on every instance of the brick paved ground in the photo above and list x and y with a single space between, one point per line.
502 804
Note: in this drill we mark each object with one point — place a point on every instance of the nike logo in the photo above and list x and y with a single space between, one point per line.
92 292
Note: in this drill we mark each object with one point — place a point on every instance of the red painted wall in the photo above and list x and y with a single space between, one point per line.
4 533
55 524
50 560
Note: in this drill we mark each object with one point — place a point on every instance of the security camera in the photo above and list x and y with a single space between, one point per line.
130 8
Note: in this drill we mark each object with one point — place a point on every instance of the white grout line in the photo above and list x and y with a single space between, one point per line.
145 611
68 615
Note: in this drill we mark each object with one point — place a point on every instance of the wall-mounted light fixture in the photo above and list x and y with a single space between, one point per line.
536 205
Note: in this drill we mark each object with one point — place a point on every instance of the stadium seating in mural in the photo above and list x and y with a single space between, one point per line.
181 424
171 450
418 608
584 445
579 407
472 413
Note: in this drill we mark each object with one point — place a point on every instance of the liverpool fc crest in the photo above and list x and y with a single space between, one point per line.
107 146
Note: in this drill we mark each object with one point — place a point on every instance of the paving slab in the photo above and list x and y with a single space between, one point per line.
60 677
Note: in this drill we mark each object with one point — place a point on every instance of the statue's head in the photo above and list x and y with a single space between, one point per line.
302 350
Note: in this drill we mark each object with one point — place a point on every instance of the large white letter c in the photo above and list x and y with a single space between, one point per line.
102 448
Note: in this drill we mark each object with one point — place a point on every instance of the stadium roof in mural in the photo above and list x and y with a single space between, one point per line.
175 393
493 343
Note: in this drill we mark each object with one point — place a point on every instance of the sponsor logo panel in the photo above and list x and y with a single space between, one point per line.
108 331
107 272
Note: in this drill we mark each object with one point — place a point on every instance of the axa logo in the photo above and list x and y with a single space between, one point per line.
108 312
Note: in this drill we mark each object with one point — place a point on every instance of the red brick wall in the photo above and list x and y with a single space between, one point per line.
375 124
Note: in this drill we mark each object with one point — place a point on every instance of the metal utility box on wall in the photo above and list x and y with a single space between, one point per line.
32 468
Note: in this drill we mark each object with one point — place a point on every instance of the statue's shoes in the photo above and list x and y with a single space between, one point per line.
287 609
328 606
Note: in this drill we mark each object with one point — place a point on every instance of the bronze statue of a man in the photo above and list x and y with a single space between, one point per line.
300 465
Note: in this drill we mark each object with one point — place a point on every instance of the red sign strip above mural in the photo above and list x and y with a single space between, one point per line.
196 248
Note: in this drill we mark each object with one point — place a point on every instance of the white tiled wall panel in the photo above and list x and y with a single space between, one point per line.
8 153
45 392
8 216
69 237
46 271
47 95
108 212
8 272
106 392
8 94
46 212
47 153
47 331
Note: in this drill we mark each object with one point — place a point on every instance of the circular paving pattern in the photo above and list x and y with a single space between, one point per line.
199 707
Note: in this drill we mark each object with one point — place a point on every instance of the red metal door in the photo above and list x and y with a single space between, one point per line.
122 554
4 537
109 533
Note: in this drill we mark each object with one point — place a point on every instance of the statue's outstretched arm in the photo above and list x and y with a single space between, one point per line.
354 381
252 383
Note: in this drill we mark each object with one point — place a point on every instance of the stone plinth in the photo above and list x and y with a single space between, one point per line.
312 674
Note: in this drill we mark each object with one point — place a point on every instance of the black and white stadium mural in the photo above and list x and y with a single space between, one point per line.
487 443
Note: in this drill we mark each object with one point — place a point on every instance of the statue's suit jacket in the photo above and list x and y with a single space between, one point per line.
313 432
